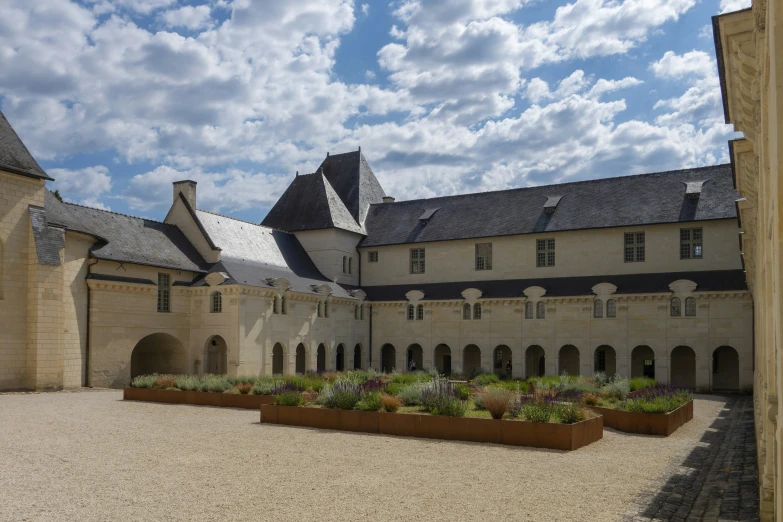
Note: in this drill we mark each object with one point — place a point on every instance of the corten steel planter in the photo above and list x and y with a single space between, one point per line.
646 423
512 433
220 400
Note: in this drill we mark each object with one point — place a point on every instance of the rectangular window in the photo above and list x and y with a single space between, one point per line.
372 257
690 243
164 293
634 247
417 261
484 256
545 252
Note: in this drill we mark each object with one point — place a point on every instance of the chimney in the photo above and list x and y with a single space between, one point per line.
388 199
188 189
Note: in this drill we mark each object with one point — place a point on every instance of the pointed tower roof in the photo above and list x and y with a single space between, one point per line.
310 203
354 181
14 156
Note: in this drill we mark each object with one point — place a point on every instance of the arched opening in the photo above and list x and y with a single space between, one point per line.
217 355
277 359
725 369
158 353
535 362
339 363
683 362
569 359
415 358
643 362
388 358
471 360
301 358
605 360
320 358
443 359
501 361
357 357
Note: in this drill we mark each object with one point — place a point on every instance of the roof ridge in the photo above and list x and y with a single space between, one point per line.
594 180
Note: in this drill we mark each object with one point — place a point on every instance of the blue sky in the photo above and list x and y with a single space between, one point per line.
117 99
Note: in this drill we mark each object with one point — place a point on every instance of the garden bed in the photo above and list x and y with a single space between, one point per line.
197 398
509 432
646 423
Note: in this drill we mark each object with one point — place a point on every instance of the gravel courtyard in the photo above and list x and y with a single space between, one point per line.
90 456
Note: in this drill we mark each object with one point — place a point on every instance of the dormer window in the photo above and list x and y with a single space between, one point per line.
216 303
611 308
529 310
540 310
598 309
551 204
676 307
477 311
411 312
466 312
690 307
420 313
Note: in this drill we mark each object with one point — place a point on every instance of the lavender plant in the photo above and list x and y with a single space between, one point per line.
657 399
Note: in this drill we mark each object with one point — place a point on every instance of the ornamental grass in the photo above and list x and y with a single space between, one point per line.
495 400
390 403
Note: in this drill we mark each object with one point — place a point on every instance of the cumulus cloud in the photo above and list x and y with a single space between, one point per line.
538 90
189 17
701 102
84 186
727 6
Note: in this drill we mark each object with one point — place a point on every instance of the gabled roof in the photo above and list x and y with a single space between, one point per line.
127 239
601 203
251 253
354 181
310 203
14 156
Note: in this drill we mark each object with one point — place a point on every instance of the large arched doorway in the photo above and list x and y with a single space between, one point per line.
569 359
683 362
535 362
217 356
605 360
339 363
725 369
443 359
414 355
158 353
277 359
357 357
388 358
301 358
320 358
501 361
471 360
643 362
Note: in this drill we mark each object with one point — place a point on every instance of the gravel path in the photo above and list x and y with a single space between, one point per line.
91 456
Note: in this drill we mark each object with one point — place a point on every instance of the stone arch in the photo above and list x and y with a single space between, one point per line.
471 360
416 354
339 358
725 368
443 359
605 360
301 358
217 356
569 359
683 367
158 353
388 358
278 359
501 360
643 362
535 361
357 357
320 358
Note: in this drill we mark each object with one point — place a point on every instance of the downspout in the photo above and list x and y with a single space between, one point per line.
87 334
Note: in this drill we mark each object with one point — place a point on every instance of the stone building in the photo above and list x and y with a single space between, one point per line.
749 48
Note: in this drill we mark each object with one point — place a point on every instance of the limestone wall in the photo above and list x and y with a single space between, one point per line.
327 248
74 306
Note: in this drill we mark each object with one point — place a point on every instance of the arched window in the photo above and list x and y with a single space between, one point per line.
540 310
216 303
529 310
420 313
598 308
356 312
690 307
676 307
345 264
466 311
477 311
411 312
361 313
320 309
611 308
283 309
350 265
326 308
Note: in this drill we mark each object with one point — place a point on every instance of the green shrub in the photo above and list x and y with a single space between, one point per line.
450 407
486 378
346 400
214 383
410 378
187 382
619 389
265 385
304 382
638 383
370 402
461 391
515 407
144 381
410 395
395 388
537 411
289 398
569 413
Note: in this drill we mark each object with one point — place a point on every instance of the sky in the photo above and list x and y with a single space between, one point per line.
116 99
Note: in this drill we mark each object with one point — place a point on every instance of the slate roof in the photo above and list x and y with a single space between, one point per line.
354 181
48 239
601 203
252 253
713 280
128 239
14 156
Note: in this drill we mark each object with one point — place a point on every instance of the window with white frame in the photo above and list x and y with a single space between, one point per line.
216 303
466 311
634 247
477 311
484 256
676 307
598 308
420 313
417 261
372 256
411 312
690 307
691 243
529 310
611 308
545 252
164 293
540 310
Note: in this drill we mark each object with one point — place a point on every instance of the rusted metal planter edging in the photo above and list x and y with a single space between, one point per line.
220 400
646 423
513 433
